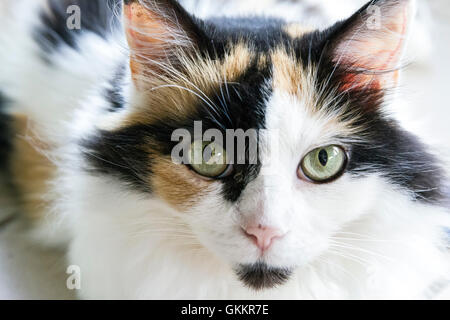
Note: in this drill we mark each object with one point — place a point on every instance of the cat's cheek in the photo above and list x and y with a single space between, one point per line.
358 196
318 212
342 200
179 186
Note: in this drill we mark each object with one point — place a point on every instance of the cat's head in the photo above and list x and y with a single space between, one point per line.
326 152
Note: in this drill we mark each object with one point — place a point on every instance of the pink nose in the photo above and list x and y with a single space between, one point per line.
263 236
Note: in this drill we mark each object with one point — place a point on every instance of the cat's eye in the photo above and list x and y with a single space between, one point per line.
324 164
208 159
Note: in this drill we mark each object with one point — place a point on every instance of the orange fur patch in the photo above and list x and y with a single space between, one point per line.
295 30
31 170
177 94
177 185
288 75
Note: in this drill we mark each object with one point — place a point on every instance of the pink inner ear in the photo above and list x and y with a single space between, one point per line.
139 25
155 37
151 37
145 28
395 55
375 54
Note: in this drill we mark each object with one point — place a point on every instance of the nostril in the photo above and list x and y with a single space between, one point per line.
252 237
262 236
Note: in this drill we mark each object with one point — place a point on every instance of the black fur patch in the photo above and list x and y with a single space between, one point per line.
97 16
246 109
401 158
263 33
122 154
114 93
260 276
5 135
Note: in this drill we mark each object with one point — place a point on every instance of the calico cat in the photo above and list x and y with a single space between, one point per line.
354 206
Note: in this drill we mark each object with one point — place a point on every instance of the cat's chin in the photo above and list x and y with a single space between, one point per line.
260 276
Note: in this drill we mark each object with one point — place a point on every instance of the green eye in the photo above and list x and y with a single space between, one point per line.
324 164
208 159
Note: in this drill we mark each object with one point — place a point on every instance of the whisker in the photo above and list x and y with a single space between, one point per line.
349 247
351 257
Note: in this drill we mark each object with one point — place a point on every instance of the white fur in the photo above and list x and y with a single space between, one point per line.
132 245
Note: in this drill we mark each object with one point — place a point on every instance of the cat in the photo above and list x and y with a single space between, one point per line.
354 206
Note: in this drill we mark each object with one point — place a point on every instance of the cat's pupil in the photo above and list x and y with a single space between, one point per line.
323 157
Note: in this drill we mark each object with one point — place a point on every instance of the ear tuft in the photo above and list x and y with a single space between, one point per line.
157 30
370 45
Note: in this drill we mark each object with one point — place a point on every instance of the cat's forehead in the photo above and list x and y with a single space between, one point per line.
235 82
263 33
261 53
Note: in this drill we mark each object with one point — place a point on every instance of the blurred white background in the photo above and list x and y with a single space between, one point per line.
29 272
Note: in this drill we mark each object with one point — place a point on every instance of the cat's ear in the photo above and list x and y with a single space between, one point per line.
369 46
157 31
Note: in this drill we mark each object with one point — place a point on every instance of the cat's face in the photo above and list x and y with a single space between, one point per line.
314 98
279 196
